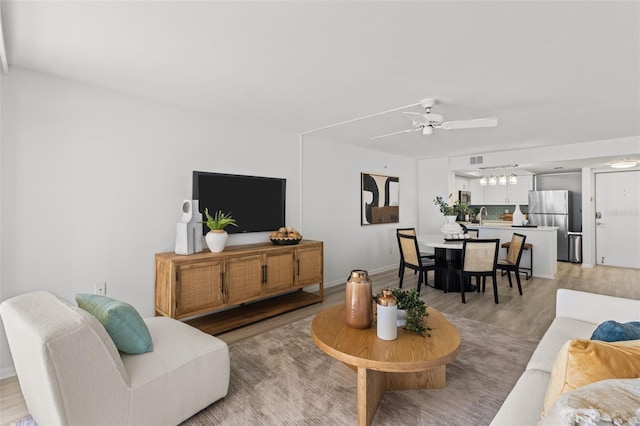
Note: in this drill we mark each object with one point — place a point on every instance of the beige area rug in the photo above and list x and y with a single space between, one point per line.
282 378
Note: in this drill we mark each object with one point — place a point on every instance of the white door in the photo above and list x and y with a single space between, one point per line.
618 219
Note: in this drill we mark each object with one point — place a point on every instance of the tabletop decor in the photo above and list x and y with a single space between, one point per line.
216 238
379 199
285 236
450 229
188 232
387 315
415 309
358 306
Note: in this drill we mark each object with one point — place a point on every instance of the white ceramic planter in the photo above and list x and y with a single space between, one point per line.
216 240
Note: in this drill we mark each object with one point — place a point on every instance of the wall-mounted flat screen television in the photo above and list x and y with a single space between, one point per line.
256 203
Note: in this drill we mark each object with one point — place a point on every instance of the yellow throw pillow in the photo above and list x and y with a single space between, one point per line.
581 362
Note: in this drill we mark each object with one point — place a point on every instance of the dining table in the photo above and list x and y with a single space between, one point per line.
448 259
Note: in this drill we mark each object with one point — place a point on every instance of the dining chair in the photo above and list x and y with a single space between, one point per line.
411 258
479 259
473 233
409 231
512 262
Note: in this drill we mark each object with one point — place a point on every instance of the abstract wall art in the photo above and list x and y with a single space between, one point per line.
379 199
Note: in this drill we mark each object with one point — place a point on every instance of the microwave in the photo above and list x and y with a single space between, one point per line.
464 197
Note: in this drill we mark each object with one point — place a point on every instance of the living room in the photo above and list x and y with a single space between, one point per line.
94 175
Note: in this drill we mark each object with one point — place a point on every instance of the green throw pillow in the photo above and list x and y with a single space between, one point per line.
123 323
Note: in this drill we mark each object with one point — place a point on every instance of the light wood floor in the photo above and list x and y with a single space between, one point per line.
528 314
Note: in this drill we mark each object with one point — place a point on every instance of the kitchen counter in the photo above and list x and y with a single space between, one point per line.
543 238
508 225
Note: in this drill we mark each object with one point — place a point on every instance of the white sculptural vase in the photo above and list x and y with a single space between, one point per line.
517 217
451 229
216 240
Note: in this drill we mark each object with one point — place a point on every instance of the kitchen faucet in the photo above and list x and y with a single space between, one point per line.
480 214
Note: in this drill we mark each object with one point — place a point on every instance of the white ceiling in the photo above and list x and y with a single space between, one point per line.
552 72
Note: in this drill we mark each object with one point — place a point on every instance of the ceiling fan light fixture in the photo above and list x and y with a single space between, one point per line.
625 163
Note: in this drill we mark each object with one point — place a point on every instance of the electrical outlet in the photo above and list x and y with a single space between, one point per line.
101 289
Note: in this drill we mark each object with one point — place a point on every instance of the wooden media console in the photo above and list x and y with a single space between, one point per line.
241 285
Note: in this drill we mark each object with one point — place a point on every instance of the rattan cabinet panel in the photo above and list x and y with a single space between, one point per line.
198 287
243 278
241 285
278 271
308 265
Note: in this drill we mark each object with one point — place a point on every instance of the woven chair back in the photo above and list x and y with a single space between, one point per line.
480 255
517 244
409 247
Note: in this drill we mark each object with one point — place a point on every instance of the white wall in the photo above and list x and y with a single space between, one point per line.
92 183
434 179
331 206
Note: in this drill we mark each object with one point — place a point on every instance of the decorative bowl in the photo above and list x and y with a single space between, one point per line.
285 241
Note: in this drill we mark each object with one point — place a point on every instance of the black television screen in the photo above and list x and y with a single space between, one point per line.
256 203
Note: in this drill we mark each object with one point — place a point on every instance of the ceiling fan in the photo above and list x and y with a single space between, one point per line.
427 122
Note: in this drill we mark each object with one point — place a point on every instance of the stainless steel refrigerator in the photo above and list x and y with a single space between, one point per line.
552 208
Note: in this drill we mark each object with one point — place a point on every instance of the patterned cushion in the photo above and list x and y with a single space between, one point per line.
123 323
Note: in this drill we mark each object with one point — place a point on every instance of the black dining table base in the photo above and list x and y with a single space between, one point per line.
447 262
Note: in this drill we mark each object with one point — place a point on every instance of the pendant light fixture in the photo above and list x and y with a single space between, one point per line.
513 179
503 179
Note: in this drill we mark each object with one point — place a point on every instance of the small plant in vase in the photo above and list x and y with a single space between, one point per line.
460 209
216 238
444 207
415 308
450 229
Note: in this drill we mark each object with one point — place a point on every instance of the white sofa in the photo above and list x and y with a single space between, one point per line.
577 315
71 373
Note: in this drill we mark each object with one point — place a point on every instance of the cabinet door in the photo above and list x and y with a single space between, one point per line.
242 278
278 271
496 194
519 193
198 287
477 192
308 266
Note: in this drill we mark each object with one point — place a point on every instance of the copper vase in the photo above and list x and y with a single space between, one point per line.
358 300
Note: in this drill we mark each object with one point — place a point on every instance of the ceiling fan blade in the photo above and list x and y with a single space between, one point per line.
470 124
394 133
417 118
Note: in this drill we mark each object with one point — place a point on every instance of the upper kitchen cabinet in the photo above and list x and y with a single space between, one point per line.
501 194
519 194
477 192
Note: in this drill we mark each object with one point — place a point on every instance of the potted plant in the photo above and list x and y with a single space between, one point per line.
216 238
444 207
450 229
460 209
416 310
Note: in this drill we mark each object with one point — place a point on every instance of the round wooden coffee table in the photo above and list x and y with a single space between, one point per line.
409 362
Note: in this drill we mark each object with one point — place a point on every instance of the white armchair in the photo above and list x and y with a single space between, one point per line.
71 373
